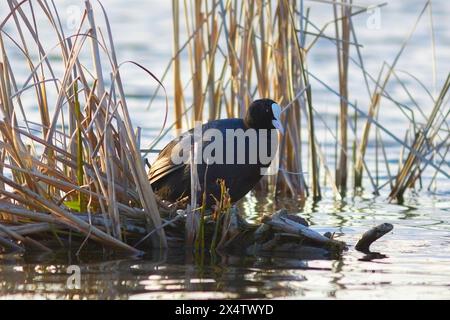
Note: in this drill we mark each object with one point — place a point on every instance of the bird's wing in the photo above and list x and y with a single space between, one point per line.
164 165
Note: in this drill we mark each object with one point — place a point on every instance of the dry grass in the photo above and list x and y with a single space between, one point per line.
79 173
83 160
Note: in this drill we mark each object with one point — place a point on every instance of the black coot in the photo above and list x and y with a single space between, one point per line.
235 150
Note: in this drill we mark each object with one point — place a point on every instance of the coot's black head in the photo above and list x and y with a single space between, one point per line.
264 114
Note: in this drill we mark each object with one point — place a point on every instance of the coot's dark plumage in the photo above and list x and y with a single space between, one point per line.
171 179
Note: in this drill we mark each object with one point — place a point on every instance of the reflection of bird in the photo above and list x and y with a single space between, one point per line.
171 179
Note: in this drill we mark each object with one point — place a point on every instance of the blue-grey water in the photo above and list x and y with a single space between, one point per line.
414 260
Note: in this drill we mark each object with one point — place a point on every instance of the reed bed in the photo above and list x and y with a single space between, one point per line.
77 174
242 50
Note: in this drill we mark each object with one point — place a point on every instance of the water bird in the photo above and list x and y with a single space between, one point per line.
237 147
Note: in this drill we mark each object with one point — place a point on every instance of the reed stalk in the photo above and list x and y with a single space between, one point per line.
343 63
263 49
178 93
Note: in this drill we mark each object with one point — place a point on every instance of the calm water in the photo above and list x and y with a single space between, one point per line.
417 264
414 260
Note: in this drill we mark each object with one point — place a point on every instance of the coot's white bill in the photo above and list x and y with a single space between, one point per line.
276 110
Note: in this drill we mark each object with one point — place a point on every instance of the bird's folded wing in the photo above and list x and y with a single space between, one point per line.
164 164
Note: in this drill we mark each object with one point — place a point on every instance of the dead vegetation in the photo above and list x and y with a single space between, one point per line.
75 172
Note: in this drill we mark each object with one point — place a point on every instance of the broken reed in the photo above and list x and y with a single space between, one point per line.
79 169
243 50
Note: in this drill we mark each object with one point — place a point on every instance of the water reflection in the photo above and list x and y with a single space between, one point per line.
411 262
159 275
